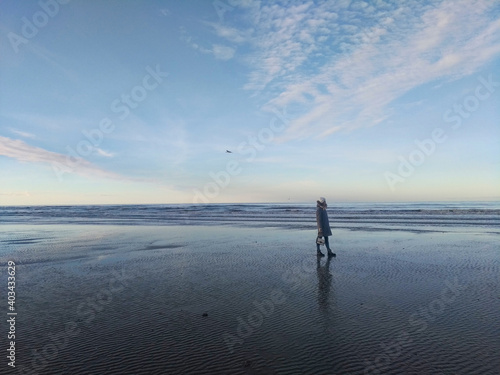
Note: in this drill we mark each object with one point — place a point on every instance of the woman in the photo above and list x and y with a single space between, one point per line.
323 226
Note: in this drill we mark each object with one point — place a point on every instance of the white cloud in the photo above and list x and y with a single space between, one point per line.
230 33
104 153
21 151
341 65
223 52
22 133
219 51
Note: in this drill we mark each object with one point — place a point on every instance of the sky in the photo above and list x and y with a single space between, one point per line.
134 102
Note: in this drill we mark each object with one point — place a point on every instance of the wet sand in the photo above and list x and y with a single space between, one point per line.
231 300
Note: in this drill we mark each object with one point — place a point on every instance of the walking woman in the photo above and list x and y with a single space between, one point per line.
323 227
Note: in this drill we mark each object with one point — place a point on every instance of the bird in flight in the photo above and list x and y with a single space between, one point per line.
229 152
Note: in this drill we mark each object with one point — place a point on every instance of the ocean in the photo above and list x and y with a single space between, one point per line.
421 216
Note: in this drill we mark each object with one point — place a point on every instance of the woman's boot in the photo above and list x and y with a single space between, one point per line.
318 251
330 252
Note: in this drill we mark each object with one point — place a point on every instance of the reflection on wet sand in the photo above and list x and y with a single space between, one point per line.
324 284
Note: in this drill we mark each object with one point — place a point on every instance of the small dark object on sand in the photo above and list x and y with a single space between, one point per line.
204 314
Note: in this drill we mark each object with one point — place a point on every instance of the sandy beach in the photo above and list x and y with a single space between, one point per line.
234 300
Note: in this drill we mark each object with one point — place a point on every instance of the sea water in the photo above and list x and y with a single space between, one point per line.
421 216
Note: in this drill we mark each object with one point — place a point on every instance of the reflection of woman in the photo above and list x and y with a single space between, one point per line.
323 226
324 283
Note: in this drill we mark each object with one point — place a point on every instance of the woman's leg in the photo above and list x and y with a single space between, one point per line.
327 243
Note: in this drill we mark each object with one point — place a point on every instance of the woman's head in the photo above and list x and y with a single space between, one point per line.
322 200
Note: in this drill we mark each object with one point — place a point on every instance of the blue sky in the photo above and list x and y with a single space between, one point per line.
106 102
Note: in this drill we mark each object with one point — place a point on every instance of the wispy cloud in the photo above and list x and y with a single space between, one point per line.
22 133
231 34
104 153
20 150
219 51
341 64
222 52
